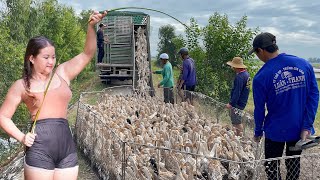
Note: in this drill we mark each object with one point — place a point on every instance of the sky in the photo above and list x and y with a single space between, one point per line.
294 23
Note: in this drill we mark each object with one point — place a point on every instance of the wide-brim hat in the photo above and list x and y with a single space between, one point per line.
237 62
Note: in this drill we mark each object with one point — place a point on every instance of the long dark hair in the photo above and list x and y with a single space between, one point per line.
34 46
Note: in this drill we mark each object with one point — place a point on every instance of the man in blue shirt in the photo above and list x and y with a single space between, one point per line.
188 79
100 42
239 93
287 87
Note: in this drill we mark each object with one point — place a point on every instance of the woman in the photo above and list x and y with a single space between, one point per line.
51 152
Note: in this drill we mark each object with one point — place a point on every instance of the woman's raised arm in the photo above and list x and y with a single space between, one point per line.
70 69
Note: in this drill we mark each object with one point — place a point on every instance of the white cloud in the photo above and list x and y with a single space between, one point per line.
305 22
160 20
253 4
299 37
157 22
272 30
292 8
2 5
76 6
303 38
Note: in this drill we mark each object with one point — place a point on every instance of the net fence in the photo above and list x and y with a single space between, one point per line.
129 135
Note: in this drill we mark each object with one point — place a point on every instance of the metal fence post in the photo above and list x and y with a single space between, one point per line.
123 168
93 141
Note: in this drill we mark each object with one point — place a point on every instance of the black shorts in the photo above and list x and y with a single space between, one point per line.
235 115
188 91
168 95
53 147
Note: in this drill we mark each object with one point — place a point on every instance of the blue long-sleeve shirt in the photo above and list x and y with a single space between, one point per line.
100 37
240 90
189 72
287 86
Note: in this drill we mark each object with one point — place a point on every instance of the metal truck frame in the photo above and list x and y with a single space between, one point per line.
119 45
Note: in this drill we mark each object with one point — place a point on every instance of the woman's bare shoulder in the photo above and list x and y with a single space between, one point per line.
18 86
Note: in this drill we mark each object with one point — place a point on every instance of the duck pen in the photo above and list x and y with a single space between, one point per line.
127 134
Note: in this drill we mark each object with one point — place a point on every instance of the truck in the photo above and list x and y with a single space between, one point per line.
120 46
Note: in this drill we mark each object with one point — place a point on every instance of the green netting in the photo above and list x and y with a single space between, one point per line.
137 17
126 13
139 20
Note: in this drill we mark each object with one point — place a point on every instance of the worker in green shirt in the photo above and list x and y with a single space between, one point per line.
167 82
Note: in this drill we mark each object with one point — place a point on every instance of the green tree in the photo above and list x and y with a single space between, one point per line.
193 34
197 53
314 60
26 19
178 43
11 68
17 14
83 18
166 42
62 27
223 41
22 19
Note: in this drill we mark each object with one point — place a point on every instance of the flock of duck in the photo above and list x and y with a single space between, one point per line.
142 63
157 139
141 137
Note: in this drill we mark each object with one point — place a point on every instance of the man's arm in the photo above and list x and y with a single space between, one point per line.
259 97
166 76
237 87
311 103
186 70
158 71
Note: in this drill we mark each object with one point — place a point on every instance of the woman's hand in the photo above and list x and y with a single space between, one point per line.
96 17
28 139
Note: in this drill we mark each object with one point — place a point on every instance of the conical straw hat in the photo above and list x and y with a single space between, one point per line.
237 62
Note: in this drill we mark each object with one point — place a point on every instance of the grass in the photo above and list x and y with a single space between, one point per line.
250 106
89 82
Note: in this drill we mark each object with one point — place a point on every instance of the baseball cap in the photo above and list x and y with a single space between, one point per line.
164 56
262 40
183 51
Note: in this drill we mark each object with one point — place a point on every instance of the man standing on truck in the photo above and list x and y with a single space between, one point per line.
167 81
100 42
